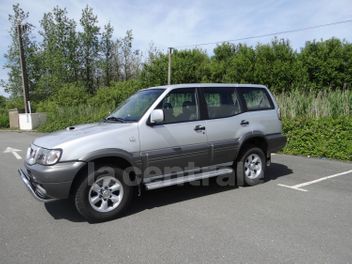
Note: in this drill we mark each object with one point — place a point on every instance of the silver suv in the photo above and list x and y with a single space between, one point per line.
159 137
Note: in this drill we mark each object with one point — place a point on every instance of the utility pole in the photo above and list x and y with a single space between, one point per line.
169 69
23 67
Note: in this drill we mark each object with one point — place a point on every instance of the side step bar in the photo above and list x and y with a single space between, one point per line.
188 178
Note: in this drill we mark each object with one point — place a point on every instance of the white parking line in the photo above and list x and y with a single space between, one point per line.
297 187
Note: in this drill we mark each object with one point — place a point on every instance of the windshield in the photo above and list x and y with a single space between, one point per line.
133 108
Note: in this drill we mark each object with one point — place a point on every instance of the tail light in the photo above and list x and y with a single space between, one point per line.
278 111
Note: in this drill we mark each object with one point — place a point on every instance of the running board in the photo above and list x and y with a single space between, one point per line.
189 178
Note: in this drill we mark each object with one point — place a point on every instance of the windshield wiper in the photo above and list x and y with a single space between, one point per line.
115 119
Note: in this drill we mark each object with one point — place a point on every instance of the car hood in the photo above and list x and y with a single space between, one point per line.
79 132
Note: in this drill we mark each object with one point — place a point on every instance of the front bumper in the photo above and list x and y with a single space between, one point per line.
38 192
48 183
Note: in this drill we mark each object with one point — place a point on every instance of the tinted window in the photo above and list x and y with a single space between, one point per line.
221 102
180 105
256 99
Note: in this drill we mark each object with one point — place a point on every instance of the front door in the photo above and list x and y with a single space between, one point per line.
178 144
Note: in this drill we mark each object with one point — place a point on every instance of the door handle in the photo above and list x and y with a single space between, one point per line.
244 123
199 128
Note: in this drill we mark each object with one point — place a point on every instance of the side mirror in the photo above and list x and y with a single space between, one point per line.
157 117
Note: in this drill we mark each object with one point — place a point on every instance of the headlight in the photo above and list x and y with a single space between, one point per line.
48 156
32 154
43 156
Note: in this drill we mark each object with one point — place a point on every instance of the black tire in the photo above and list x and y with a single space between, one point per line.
81 195
242 176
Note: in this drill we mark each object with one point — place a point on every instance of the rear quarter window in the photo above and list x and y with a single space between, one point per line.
256 99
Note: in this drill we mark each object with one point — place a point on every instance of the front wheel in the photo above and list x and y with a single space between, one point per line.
251 166
104 195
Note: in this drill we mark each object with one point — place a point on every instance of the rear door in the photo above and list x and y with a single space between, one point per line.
262 114
180 142
226 123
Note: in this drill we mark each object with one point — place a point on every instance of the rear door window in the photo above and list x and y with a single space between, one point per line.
221 102
256 98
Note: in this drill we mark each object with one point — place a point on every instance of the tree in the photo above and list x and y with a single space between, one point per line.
59 55
187 66
222 54
348 62
115 61
326 63
190 66
2 101
14 83
275 65
233 63
107 48
89 41
154 70
130 60
241 66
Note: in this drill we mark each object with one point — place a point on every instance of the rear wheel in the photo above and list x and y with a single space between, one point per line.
251 166
104 195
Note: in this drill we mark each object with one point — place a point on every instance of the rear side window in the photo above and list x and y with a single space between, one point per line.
221 102
256 99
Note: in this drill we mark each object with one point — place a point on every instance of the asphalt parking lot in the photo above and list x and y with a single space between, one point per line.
301 214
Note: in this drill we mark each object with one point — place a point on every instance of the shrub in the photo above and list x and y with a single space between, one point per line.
115 93
16 102
4 119
321 137
62 114
71 94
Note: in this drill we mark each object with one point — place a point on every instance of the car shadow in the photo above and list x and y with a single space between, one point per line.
276 170
176 194
64 209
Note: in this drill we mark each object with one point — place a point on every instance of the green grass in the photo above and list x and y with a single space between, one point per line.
314 105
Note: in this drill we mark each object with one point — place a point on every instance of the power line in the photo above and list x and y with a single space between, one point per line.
269 34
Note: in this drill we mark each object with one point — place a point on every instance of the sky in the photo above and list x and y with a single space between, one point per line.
183 22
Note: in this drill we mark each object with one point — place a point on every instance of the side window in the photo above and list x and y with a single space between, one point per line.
221 102
256 99
180 105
